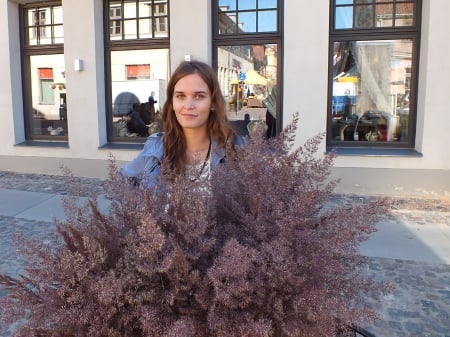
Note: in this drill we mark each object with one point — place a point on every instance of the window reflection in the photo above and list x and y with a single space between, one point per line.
371 88
250 16
44 25
48 95
228 4
135 75
369 14
267 21
247 22
138 19
248 79
246 4
262 4
130 31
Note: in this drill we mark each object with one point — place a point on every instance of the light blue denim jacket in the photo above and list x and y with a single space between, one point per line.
146 167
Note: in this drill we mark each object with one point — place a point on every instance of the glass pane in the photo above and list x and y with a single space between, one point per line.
248 78
114 3
31 17
364 16
247 22
32 36
344 18
344 2
129 10
262 4
129 88
48 96
45 35
145 28
404 14
267 21
115 10
57 15
161 27
228 4
371 88
145 9
58 32
384 16
227 23
115 30
130 29
246 4
160 9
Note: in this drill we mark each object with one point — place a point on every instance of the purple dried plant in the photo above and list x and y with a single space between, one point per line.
263 251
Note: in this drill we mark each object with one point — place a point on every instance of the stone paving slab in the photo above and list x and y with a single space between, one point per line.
14 202
37 205
409 241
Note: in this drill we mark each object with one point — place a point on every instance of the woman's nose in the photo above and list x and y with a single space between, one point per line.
189 104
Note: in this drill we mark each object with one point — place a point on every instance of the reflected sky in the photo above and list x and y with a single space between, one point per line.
267 20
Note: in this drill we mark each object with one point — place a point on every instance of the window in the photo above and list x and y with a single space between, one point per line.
373 73
137 64
247 51
115 28
137 19
43 25
138 71
46 79
44 72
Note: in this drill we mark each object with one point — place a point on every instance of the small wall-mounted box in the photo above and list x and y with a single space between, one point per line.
78 65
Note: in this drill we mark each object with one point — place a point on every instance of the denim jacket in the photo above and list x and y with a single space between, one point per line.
146 167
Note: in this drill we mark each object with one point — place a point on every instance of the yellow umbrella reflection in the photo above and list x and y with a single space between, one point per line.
252 77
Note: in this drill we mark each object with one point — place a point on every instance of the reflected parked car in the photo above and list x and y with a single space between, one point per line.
403 113
403 109
379 121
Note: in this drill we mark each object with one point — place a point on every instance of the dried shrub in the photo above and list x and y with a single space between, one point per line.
264 251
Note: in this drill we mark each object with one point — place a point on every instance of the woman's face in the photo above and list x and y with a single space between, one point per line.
191 102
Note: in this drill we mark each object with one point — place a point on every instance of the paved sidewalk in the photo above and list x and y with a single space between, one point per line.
410 249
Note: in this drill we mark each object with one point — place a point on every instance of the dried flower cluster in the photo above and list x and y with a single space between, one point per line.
260 252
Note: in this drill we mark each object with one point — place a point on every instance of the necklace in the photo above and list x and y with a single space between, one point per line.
202 167
205 161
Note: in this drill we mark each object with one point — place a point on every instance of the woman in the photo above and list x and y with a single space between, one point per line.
196 133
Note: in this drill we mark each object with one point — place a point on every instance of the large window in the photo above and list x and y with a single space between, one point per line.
373 73
44 72
137 64
247 53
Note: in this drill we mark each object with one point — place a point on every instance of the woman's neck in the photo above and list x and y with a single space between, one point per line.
197 146
196 141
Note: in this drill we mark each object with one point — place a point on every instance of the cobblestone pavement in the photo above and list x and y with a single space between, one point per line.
419 306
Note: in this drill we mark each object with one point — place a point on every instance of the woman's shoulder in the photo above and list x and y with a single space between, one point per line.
238 140
154 145
148 159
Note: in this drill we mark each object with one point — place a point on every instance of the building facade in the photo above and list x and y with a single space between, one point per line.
369 74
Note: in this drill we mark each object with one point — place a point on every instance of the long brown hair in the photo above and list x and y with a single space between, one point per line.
218 126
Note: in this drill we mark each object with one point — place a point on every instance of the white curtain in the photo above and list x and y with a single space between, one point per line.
373 61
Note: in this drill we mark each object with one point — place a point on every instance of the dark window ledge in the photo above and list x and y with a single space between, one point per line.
376 152
122 146
44 143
